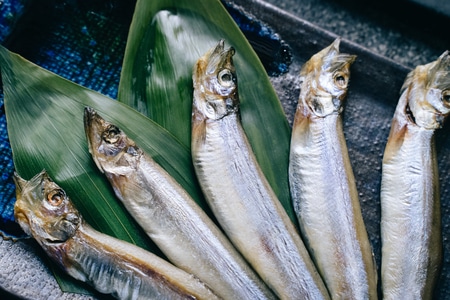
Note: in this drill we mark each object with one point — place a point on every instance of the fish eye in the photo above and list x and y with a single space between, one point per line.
340 80
446 97
225 77
56 197
111 134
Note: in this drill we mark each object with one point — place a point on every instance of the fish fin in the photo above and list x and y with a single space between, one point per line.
19 181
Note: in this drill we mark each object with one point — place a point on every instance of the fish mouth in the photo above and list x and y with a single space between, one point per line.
22 219
54 242
21 206
220 57
214 60
89 114
333 59
91 119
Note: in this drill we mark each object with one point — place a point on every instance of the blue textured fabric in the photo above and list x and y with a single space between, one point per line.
10 14
6 166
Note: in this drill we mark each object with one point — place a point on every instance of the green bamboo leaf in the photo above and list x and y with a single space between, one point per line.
45 127
165 40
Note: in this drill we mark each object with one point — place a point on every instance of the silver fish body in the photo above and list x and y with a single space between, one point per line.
170 217
236 189
112 266
322 183
410 205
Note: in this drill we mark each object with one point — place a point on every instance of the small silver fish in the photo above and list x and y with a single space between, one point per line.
112 266
236 189
410 204
321 180
169 216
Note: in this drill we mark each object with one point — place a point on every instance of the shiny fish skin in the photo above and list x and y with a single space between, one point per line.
410 204
112 266
236 189
321 180
170 217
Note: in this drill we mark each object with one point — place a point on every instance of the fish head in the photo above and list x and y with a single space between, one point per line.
427 92
110 147
215 83
44 211
324 80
